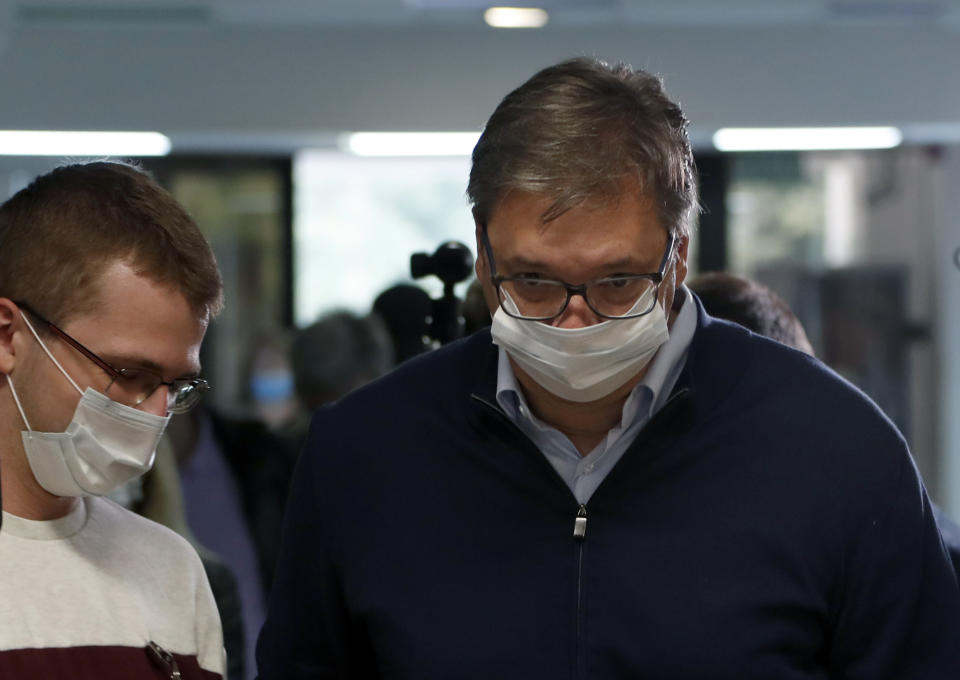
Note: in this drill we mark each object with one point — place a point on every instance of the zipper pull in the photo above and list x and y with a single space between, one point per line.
580 523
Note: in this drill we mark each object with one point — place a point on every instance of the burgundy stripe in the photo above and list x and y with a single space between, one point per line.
90 663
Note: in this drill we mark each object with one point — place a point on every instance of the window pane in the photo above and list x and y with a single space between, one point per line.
358 220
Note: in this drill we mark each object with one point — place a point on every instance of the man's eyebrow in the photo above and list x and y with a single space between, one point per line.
521 262
628 266
133 362
623 264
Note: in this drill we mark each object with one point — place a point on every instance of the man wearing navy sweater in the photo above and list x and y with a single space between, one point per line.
608 483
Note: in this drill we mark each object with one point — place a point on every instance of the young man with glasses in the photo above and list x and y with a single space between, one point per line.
608 484
106 290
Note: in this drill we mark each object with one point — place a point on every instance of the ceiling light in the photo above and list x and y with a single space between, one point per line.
410 143
516 17
806 139
64 143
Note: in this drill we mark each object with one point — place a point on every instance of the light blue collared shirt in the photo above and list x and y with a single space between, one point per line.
583 474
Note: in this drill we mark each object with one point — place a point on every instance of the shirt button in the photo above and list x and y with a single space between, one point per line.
589 468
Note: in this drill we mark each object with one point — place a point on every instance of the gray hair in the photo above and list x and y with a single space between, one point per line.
338 353
577 131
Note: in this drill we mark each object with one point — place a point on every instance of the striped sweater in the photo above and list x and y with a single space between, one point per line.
84 595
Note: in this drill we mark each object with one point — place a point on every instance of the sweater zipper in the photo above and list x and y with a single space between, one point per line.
580 521
580 535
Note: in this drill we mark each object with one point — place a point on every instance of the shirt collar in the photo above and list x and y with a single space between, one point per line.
48 530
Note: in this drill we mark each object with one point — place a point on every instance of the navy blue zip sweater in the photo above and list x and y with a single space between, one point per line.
768 523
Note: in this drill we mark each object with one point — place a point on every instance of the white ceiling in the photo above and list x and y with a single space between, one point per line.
262 75
367 13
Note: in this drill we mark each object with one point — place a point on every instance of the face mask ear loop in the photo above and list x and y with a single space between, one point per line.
509 302
16 400
52 358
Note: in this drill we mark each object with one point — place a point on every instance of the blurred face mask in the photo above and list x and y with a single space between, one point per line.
270 387
105 445
582 364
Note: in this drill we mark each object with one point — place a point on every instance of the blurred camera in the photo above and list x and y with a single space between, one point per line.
451 262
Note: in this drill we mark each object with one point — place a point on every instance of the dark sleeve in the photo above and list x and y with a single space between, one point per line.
308 632
899 613
951 537
262 464
226 593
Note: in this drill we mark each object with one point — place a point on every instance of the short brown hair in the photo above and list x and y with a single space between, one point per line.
752 305
59 234
577 131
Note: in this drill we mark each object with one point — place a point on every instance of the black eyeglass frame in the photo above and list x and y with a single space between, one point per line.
178 404
581 289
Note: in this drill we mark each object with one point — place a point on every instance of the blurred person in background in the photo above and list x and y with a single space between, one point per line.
333 356
405 309
338 353
752 305
757 308
106 290
476 313
270 381
234 475
610 483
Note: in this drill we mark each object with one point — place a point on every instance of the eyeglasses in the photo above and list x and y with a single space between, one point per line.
534 298
133 386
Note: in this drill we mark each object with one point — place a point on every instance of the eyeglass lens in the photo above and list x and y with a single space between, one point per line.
133 387
186 395
613 297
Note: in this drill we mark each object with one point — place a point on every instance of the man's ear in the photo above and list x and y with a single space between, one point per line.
480 266
9 312
683 246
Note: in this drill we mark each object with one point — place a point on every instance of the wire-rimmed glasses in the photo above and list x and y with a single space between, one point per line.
133 386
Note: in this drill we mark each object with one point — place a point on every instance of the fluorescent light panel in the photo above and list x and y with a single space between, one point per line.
806 139
410 143
74 143
516 17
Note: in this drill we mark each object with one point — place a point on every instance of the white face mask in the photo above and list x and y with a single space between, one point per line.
105 445
582 364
